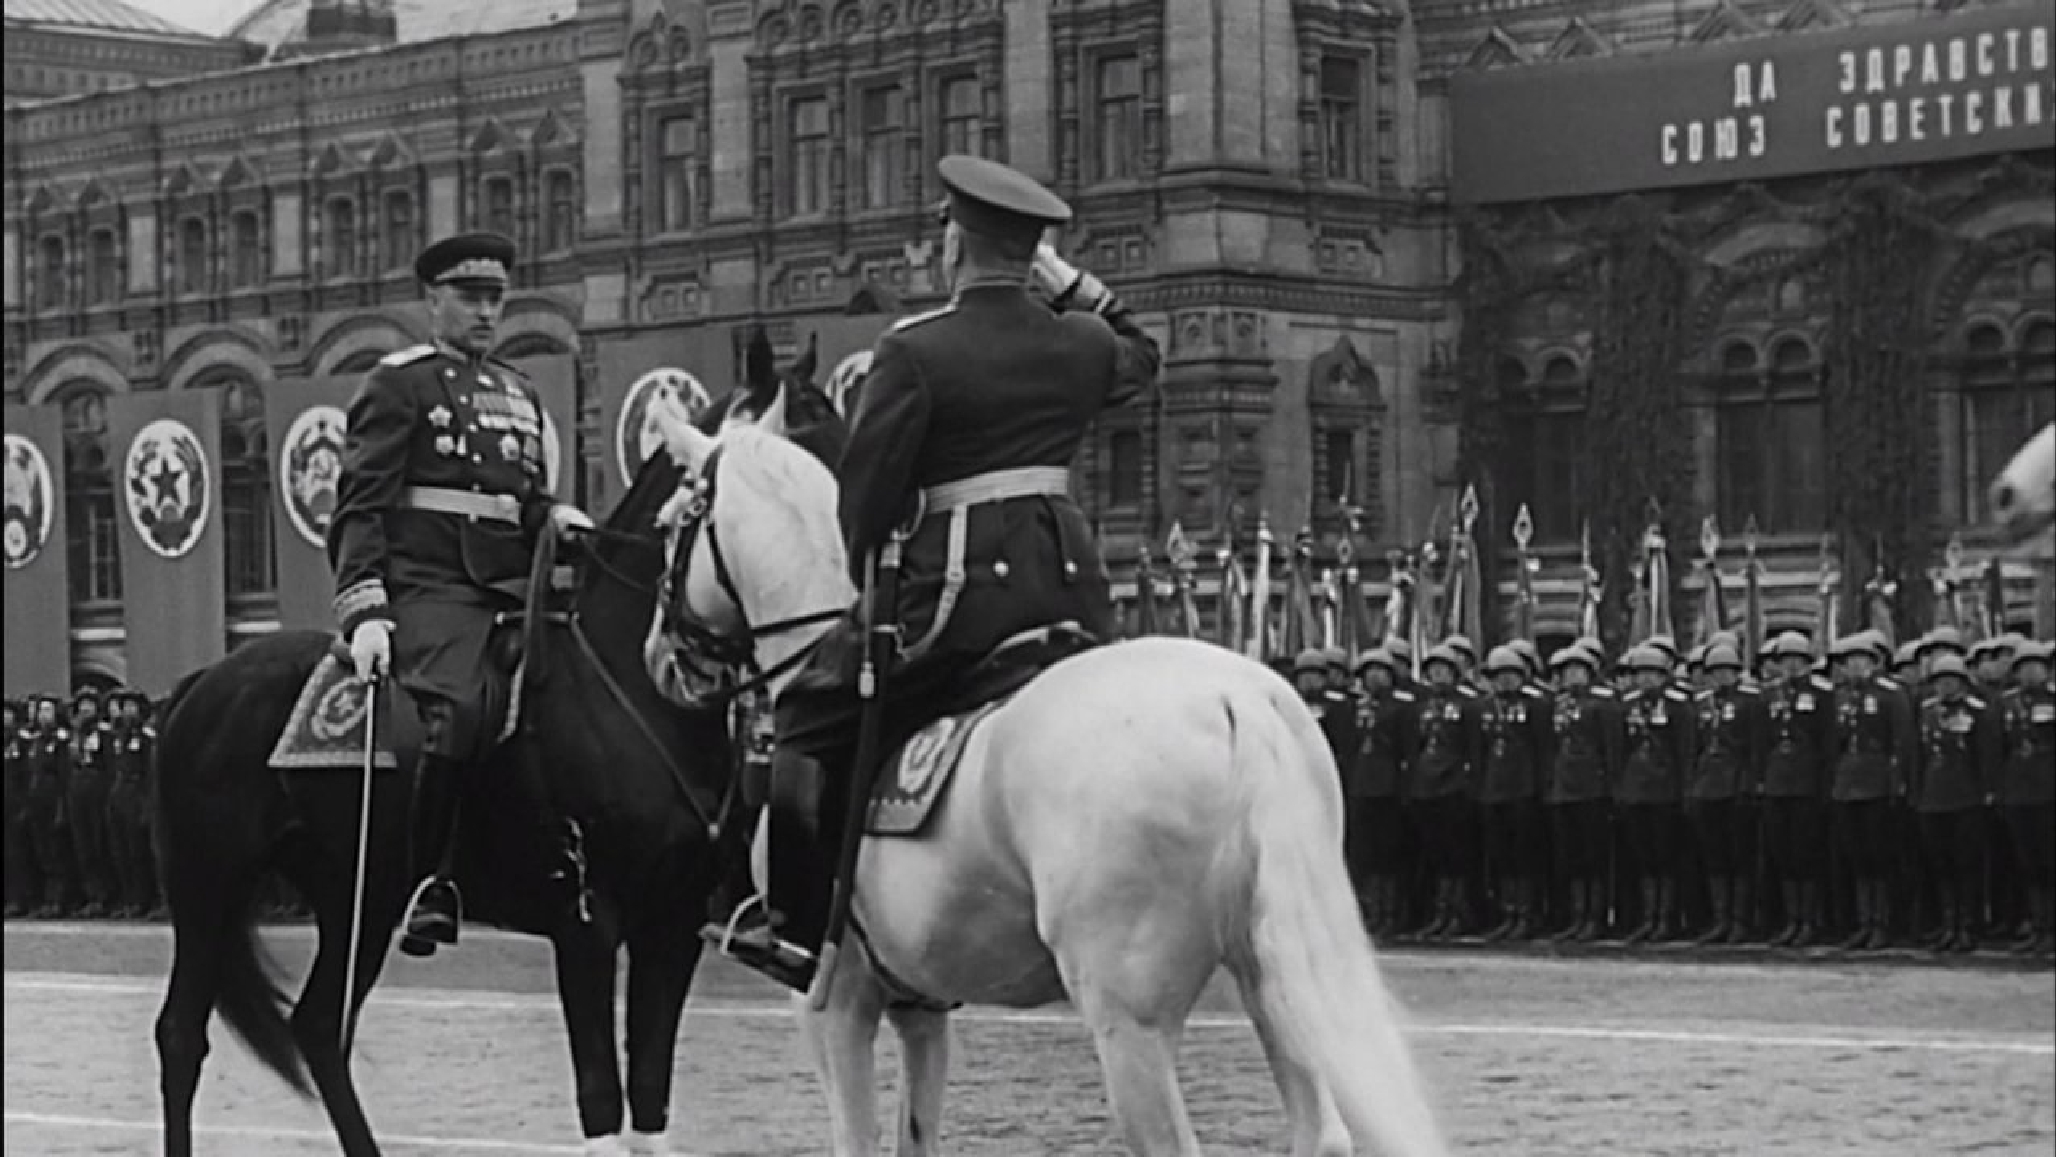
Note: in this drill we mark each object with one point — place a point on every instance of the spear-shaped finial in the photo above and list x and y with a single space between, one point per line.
1178 548
1467 508
1750 537
1523 528
1709 538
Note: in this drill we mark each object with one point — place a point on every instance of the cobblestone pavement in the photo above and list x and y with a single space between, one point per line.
1529 1057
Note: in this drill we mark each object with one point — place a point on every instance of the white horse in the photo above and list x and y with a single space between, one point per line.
2024 495
1138 817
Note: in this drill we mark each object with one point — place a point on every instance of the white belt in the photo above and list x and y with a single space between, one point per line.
997 486
956 499
470 503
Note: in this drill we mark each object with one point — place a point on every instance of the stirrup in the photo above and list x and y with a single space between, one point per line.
735 919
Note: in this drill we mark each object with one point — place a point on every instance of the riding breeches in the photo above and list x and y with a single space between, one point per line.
447 655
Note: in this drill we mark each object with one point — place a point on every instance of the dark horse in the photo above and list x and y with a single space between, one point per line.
649 785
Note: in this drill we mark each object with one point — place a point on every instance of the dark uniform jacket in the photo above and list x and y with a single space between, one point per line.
995 380
431 416
1662 740
1591 738
1336 714
1961 744
1734 731
1802 737
1386 727
1875 738
1448 743
2029 777
49 770
92 749
1514 733
132 745
18 742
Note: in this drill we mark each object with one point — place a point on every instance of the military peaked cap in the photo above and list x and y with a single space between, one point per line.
1310 659
993 200
1377 657
1790 645
1664 645
475 258
1646 658
1504 658
1462 645
1574 653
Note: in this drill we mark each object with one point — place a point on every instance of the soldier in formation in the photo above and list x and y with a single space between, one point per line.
134 743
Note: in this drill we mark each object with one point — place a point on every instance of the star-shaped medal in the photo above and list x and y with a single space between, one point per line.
439 417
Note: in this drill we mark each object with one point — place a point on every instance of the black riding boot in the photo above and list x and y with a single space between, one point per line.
437 910
779 934
1719 892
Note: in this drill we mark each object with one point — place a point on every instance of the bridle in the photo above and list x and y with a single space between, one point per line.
721 654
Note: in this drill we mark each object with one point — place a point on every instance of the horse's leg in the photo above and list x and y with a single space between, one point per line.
199 922
843 1037
318 1016
585 955
662 957
1135 977
924 1055
1317 1126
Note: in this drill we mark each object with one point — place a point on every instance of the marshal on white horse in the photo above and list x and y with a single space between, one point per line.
2023 497
1138 817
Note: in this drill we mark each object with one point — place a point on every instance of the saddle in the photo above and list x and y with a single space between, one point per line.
326 728
914 777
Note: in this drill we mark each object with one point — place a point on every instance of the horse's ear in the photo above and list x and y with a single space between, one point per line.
686 444
773 420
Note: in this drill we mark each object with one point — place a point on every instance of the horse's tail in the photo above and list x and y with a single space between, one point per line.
1318 983
252 1002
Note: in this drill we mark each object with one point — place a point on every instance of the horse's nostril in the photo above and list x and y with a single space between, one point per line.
2002 497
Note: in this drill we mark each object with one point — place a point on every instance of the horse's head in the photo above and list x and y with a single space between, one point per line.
2024 495
754 563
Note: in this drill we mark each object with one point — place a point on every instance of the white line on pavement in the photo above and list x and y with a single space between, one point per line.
277 1133
449 1000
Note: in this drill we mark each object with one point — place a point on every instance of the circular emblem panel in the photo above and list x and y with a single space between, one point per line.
169 493
30 502
310 465
635 433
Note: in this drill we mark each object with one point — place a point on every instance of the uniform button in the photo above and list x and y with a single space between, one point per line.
448 372
1070 568
1000 569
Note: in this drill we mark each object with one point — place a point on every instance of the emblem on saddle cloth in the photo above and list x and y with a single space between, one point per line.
917 775
326 728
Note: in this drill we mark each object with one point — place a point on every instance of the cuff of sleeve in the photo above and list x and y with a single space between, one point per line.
361 601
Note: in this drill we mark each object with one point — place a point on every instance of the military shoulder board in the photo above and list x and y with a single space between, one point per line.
1532 692
1974 703
1402 695
408 356
1602 692
1704 695
1890 684
1677 695
917 319
1820 684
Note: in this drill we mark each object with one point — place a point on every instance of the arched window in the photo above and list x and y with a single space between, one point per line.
339 243
245 488
52 272
1544 459
2008 394
192 255
1124 470
1772 457
93 545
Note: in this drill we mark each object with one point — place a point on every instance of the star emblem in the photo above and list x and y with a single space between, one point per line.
439 417
163 481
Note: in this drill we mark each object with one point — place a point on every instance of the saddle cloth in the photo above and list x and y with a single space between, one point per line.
914 779
326 729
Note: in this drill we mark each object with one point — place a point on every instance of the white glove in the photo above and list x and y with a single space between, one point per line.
1065 283
569 519
371 648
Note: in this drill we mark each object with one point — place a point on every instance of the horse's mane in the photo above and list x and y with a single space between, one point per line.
655 483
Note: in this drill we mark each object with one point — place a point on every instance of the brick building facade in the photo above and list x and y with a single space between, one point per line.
1268 182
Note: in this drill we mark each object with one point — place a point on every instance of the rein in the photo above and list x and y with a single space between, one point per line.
736 652
537 617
